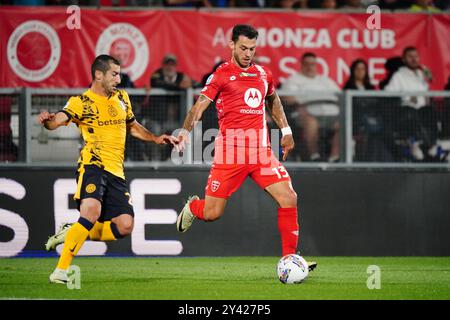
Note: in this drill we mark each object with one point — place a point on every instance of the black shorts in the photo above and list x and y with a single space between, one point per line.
110 190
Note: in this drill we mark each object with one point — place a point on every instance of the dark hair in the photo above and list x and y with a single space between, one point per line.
102 63
350 84
408 49
308 55
244 30
392 65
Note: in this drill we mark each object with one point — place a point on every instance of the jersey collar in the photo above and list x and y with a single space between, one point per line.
99 97
235 66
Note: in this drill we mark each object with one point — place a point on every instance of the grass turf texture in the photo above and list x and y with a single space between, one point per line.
243 278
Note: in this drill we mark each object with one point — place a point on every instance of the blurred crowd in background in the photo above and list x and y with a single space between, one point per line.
413 5
388 129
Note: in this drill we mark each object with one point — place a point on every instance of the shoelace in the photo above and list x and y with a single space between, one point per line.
190 217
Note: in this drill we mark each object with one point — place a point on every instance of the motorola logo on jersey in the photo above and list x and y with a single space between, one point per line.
253 97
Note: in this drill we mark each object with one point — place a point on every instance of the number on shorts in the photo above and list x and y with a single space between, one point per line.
280 172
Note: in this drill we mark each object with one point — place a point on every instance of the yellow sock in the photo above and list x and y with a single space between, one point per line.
75 238
96 232
107 234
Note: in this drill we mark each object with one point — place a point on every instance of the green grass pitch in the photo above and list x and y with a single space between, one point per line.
227 278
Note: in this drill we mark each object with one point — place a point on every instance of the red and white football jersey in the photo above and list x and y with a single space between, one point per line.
239 95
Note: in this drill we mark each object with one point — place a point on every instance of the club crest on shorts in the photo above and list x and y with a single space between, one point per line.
215 185
130 200
91 188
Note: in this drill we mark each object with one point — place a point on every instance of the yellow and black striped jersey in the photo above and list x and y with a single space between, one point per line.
103 125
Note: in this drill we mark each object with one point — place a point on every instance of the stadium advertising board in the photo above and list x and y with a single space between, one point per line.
340 213
44 46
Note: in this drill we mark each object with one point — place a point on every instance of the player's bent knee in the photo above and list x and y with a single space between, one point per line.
288 199
125 226
90 210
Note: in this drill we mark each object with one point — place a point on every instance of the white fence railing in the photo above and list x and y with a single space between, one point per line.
374 134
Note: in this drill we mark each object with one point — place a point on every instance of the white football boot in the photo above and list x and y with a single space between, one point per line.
57 238
59 276
186 217
311 264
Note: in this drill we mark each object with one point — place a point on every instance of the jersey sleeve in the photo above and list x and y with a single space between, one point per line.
212 86
74 110
270 84
130 114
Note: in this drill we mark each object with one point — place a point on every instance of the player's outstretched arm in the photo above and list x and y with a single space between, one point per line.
277 112
194 115
139 131
52 121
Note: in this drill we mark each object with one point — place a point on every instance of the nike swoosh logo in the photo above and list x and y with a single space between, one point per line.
73 249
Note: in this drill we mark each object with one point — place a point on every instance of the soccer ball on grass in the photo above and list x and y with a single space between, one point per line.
292 268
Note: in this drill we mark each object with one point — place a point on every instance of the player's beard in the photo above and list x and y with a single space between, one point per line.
241 63
109 89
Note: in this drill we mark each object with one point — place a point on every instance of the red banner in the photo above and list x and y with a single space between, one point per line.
48 47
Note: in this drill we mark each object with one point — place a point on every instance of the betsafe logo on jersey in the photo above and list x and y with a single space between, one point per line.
110 122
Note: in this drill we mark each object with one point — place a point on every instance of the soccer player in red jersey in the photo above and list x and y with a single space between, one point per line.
240 88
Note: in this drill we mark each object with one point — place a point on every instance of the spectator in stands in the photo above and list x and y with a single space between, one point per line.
187 3
219 3
286 4
328 4
97 3
370 144
423 5
143 3
28 2
352 4
316 104
125 81
391 66
8 149
112 3
168 77
249 3
442 4
446 118
389 114
416 120
359 76
166 112
393 4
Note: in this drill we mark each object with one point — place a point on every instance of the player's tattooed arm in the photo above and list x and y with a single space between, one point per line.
196 112
276 110
194 115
